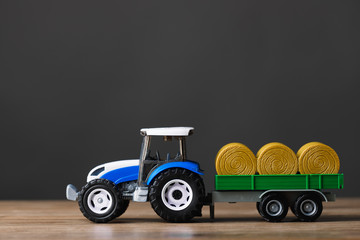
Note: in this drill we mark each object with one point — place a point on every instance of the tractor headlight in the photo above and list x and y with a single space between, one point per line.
97 171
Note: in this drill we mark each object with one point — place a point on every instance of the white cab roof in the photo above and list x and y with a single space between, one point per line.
167 131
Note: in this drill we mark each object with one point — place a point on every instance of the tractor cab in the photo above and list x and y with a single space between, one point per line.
172 141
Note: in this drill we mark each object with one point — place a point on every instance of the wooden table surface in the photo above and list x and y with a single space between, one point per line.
63 220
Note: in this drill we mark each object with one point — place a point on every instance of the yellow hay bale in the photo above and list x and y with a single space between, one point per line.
235 159
318 158
276 158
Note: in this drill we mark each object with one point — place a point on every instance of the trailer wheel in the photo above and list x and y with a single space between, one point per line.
273 207
100 202
177 195
308 207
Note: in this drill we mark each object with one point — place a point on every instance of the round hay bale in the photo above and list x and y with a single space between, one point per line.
276 158
235 159
318 158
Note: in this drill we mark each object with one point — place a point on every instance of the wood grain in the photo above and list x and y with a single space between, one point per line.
63 220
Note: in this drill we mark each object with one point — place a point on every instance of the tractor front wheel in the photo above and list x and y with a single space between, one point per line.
177 195
100 201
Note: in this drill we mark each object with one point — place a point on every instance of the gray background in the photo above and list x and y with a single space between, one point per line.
80 78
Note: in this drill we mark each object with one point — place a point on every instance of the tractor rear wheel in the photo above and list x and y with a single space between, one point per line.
177 195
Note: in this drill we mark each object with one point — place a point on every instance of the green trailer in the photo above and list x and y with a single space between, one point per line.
274 194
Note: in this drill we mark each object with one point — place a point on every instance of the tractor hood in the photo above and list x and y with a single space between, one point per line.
101 170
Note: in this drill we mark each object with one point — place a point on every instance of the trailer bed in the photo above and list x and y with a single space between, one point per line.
270 182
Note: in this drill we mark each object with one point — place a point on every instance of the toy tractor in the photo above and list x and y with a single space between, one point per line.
173 185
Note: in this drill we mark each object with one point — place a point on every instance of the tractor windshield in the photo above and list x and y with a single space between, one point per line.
164 148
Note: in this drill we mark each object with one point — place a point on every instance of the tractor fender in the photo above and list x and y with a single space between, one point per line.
189 165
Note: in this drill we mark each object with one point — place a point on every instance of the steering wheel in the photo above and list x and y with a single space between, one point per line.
157 155
148 155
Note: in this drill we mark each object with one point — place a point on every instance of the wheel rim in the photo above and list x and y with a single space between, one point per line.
308 207
177 194
99 201
274 208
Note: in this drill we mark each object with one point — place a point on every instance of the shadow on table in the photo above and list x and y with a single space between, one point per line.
339 218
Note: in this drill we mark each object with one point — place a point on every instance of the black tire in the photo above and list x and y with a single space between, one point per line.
257 206
273 207
308 207
177 195
101 193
